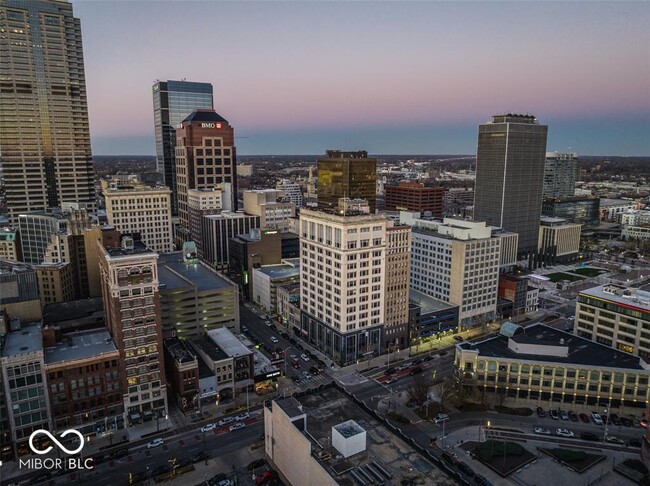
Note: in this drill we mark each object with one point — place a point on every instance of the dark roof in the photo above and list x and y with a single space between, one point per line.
204 116
581 351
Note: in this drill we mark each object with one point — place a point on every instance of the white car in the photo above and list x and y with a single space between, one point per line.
598 420
155 443
226 421
208 427
564 433
441 417
274 339
614 440
237 426
268 323
242 416
294 358
304 357
542 431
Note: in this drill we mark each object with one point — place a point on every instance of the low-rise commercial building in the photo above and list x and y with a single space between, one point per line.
9 244
288 298
182 370
524 298
19 291
547 365
82 371
615 316
267 279
229 360
429 316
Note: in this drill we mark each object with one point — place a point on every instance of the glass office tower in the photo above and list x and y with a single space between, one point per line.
510 176
173 101
346 174
44 135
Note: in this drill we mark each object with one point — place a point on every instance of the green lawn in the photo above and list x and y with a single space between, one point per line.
588 272
560 276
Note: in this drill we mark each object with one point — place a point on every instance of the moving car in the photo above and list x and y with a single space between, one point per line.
589 436
564 433
237 426
441 417
542 431
201 456
274 339
295 365
155 443
304 357
225 421
242 416
119 453
415 371
265 477
459 338
208 427
612 439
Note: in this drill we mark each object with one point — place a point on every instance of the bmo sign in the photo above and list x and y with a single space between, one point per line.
210 125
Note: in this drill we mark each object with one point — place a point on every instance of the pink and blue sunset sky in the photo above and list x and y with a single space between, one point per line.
387 77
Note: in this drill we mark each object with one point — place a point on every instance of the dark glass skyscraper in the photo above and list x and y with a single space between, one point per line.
44 134
510 176
173 101
347 174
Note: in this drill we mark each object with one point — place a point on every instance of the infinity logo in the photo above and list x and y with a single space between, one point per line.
59 445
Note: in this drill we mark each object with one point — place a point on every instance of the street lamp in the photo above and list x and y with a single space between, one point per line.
607 410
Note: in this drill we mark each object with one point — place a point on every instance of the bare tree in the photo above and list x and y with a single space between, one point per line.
419 389
444 391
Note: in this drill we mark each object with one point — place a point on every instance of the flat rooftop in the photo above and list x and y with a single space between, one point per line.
205 344
228 342
581 351
139 248
29 339
280 271
427 303
179 349
175 274
614 202
330 407
74 310
80 345
625 296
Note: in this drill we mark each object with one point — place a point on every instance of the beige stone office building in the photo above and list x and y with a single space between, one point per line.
559 239
138 208
269 205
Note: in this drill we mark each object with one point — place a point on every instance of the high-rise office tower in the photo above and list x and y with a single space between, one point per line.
560 174
510 176
205 157
173 101
346 175
44 134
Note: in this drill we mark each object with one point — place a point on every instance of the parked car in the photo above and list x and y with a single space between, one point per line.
304 357
626 422
614 418
416 371
201 456
459 338
225 421
237 426
612 439
403 366
553 413
417 361
255 464
274 339
159 471
634 443
298 346
450 457
564 415
208 427
314 370
390 371
428 358
573 416
564 433
155 443
119 453
441 417
137 477
242 416
598 420
265 477
589 436
584 417
542 431
541 412
643 423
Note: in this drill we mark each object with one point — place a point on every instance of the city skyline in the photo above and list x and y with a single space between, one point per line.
411 78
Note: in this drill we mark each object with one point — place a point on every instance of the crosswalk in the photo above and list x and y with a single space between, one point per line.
317 380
